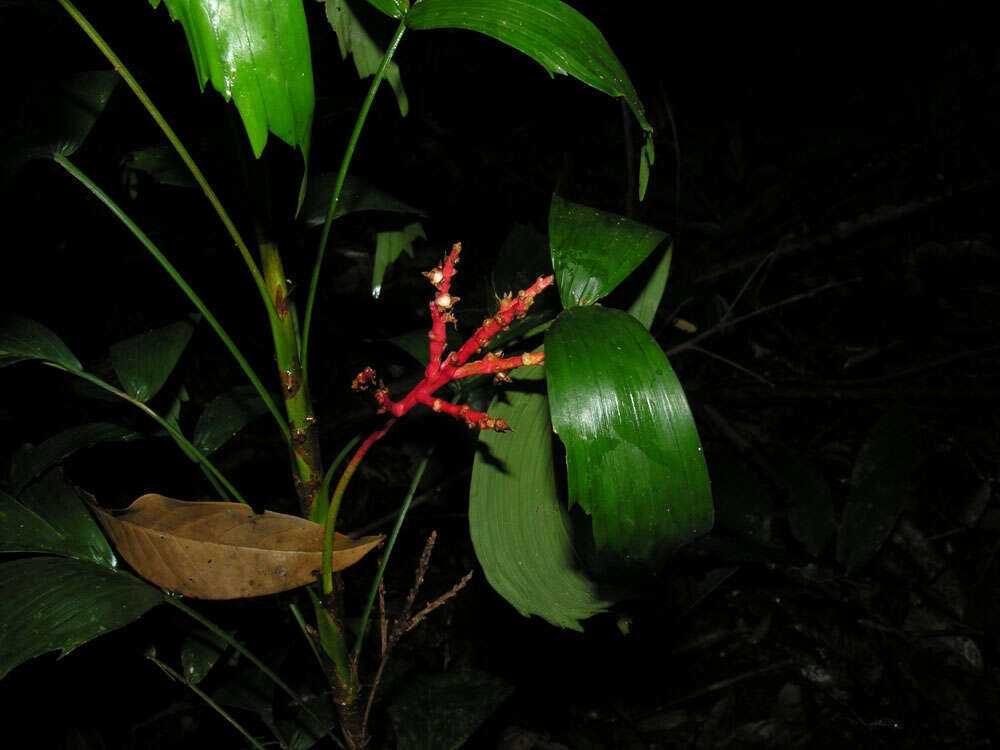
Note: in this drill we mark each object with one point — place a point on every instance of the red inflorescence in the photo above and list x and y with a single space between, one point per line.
445 368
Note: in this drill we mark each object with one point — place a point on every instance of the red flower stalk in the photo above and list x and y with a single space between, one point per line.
441 370
444 368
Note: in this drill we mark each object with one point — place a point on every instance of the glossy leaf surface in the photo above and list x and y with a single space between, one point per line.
49 516
394 8
144 362
441 711
389 245
33 461
57 604
355 41
633 456
550 32
356 195
224 417
60 114
648 302
594 251
223 550
23 339
810 512
199 653
255 52
520 530
880 485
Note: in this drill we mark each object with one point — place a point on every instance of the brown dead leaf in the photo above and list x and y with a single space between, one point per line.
223 550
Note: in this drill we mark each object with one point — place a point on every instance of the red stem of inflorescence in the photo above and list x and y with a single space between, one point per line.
444 368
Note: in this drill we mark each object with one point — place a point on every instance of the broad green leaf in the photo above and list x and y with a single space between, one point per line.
520 531
58 115
388 247
22 339
55 603
50 517
594 251
255 52
313 719
743 505
144 362
162 163
550 32
441 711
648 302
355 196
354 40
30 462
199 653
225 416
634 460
393 8
880 484
810 512
523 257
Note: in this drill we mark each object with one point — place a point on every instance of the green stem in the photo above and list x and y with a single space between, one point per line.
129 79
306 464
339 185
362 629
321 504
204 696
228 638
185 445
331 515
179 280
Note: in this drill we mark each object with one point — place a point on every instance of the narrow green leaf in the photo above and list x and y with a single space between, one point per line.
354 40
880 484
199 653
50 517
55 603
31 462
144 362
388 247
648 302
550 32
441 711
520 531
225 416
633 456
356 196
646 159
255 52
594 251
22 339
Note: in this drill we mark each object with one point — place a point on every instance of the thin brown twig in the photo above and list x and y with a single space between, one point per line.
418 578
733 364
422 614
746 285
383 620
405 623
690 343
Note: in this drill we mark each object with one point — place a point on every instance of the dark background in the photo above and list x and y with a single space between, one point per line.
838 178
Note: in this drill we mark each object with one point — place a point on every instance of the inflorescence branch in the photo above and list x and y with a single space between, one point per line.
443 368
